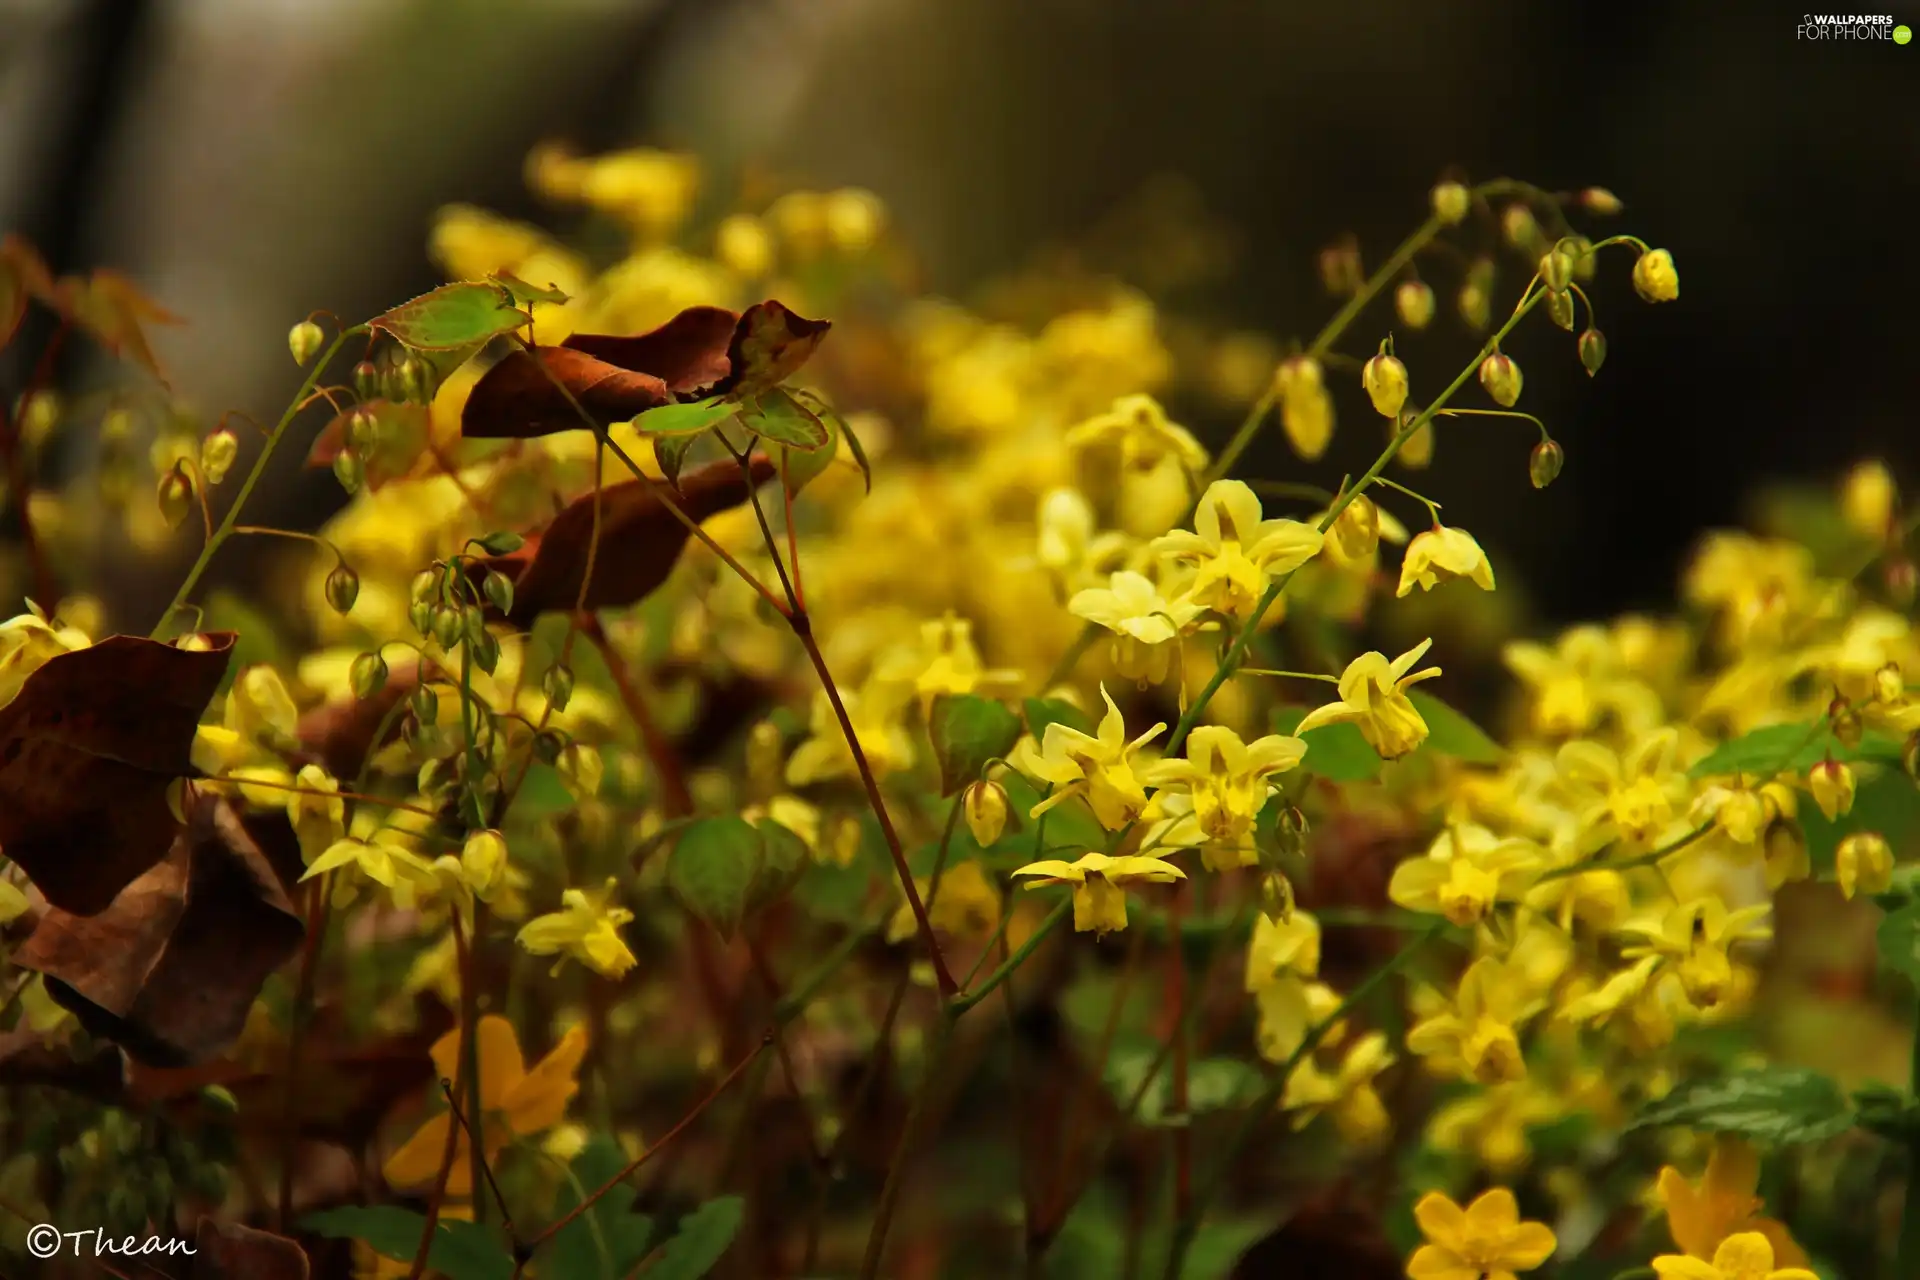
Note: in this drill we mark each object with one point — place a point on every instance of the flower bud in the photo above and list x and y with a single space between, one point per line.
1593 350
175 496
1844 720
342 588
1863 863
1413 303
1356 530
1521 228
1560 309
424 704
304 340
1544 463
985 804
1556 270
420 617
1890 685
547 746
1451 201
485 648
501 542
1306 410
1601 201
498 589
413 379
1655 278
1385 380
349 470
1868 497
217 453
1417 450
366 380
557 686
1276 897
363 429
1340 268
448 626
368 675
1580 250
1502 379
1831 784
483 863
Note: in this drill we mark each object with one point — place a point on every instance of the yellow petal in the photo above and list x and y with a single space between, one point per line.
539 1100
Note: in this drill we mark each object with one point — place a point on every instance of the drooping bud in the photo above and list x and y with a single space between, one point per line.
1601 201
1356 530
1593 350
1413 303
1340 268
1556 270
448 626
1502 379
1306 410
1544 463
1276 897
1831 784
413 379
349 470
483 863
1890 685
1451 200
1385 380
368 675
305 340
425 705
498 589
366 380
1521 228
1654 276
217 453
1868 498
175 496
1844 720
557 686
1417 450
363 429
1560 309
342 588
1863 863
984 803
501 542
1476 295
1580 250
485 648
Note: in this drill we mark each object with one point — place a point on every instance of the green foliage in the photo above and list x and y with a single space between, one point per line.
1042 712
967 732
1886 802
1336 752
461 1250
453 316
1790 748
689 419
1771 1105
776 416
1899 941
713 867
608 1240
702 1239
1452 734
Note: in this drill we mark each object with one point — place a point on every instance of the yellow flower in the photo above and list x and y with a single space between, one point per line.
385 860
1278 951
1146 438
945 661
483 864
1633 796
1235 550
1347 1094
1832 786
1225 783
1868 498
1724 1203
1747 1256
1863 863
967 906
1306 410
1099 904
1373 698
26 642
1465 872
1441 553
13 903
514 1102
1654 276
1694 938
1145 623
1289 1006
1484 1241
1100 767
585 928
319 820
875 711
1575 681
1492 1124
1476 1037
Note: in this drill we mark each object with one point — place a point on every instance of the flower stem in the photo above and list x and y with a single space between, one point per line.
965 1000
917 1113
232 518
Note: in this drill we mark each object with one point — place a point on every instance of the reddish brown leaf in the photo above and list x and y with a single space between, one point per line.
702 352
22 275
26 1059
112 308
229 1251
170 970
1327 1237
640 541
87 751
400 438
339 734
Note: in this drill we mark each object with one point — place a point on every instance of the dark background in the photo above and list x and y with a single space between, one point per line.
251 161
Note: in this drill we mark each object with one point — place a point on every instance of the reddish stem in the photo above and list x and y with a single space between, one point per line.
46 588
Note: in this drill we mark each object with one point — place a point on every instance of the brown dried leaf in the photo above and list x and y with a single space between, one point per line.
170 970
27 1059
87 751
22 275
112 308
640 541
229 1251
769 345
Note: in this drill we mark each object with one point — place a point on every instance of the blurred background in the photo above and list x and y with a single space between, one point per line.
248 161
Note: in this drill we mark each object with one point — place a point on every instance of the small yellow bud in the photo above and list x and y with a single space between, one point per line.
1654 277
366 380
1451 201
412 380
1556 270
1868 498
1593 350
1831 783
349 470
368 674
37 416
1502 379
1276 897
342 588
1520 227
1580 250
1385 380
1413 303
1417 450
1844 720
217 453
1601 201
175 496
305 340
363 429
985 805
1356 530
1306 410
1890 685
1476 295
1340 267
1560 309
1543 465
483 863
1863 863
742 245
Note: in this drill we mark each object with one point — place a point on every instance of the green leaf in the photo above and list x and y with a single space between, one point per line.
859 453
1336 752
461 1250
1772 1105
786 860
775 415
801 467
541 792
1899 940
524 293
713 867
688 419
967 731
703 1238
453 316
1042 712
1452 734
671 453
609 1239
1790 748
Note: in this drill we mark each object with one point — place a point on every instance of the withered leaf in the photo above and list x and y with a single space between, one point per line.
400 433
22 275
230 1251
112 308
640 541
170 970
27 1059
1325 1238
700 353
87 751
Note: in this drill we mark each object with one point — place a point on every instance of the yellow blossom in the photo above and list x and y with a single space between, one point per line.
1373 698
1491 1124
1654 276
1831 784
1223 783
1868 498
1099 767
1279 950
26 642
1863 863
967 906
1234 550
1633 796
1747 1256
875 711
1347 1093
1476 1037
1146 439
385 860
1464 873
1724 1203
1146 625
1099 903
1306 410
1694 938
585 928
1484 1241
1440 553
317 812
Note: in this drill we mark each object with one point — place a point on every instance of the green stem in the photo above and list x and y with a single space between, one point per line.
917 1113
232 518
965 1000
